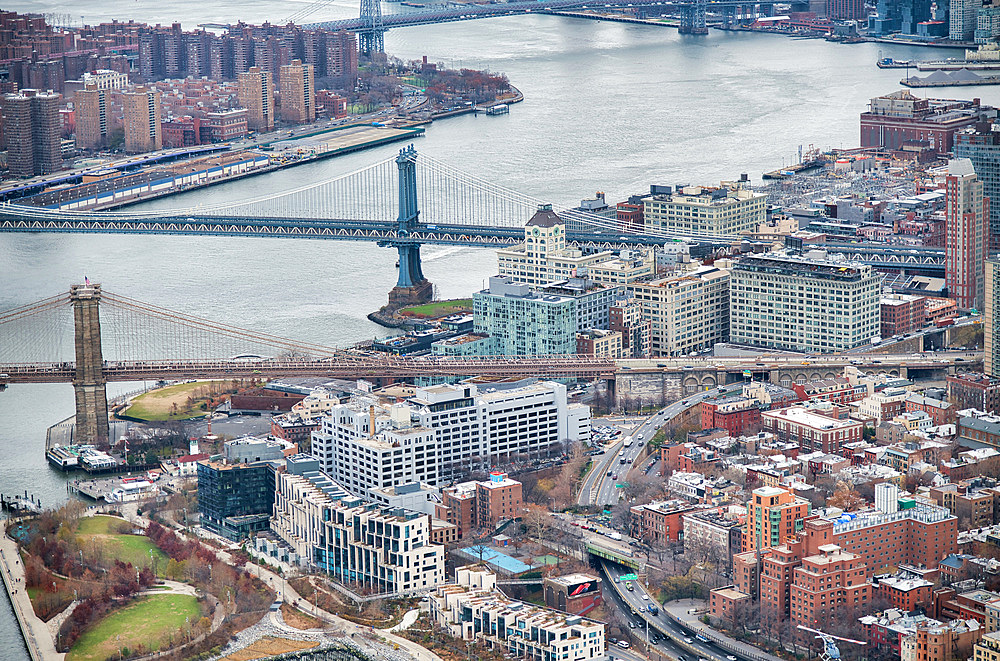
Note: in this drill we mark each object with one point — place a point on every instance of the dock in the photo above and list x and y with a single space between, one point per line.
94 489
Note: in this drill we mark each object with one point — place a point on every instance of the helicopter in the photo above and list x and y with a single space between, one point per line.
830 650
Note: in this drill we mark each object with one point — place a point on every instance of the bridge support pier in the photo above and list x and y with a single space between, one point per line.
88 382
412 288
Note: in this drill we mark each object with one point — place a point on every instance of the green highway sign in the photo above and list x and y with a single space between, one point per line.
621 485
628 577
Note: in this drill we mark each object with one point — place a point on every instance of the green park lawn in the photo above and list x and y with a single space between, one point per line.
147 621
159 404
439 308
127 548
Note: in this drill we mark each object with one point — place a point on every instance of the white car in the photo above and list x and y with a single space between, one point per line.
645 596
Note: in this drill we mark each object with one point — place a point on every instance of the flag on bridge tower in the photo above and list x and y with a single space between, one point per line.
86 281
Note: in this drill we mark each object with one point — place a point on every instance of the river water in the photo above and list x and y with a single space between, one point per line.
609 107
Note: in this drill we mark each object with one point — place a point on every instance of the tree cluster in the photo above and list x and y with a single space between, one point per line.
194 563
469 84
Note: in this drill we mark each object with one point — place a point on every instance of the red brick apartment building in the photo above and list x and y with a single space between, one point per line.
906 594
830 581
661 522
810 429
920 535
901 117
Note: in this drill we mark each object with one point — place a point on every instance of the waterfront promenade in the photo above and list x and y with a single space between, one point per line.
36 634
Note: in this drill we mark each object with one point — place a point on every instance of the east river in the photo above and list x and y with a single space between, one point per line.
609 107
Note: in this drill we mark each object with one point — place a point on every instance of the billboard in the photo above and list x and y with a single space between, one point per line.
582 588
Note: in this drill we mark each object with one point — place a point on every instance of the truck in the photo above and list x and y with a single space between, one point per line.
941 323
653 609
615 535
628 442
876 340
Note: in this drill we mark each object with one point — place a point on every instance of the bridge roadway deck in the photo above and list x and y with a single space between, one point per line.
351 367
48 221
472 12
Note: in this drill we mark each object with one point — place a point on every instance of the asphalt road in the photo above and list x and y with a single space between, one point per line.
635 609
612 467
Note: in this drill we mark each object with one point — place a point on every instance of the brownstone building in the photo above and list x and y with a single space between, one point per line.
497 499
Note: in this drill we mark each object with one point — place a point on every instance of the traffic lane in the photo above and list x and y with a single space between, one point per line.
665 646
606 491
636 603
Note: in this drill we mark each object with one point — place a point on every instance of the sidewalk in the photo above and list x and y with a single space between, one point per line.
678 611
288 594
36 633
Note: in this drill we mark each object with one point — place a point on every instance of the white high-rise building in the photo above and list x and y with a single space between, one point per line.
381 549
443 432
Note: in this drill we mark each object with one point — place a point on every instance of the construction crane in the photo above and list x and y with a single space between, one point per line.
830 650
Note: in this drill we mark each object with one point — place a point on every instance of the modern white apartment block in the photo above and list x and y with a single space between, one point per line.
803 303
443 432
472 608
360 543
688 311
727 210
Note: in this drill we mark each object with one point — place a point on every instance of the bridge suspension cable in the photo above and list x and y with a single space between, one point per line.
39 331
156 332
447 195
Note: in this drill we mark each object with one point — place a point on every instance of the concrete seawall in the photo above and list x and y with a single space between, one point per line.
36 634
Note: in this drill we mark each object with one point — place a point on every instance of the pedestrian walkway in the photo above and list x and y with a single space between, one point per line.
686 613
288 594
409 618
40 644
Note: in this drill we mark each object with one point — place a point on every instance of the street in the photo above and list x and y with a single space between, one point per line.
612 468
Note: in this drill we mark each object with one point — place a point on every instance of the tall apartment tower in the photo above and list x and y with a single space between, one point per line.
966 216
256 94
92 106
991 318
32 131
298 93
342 57
981 145
143 126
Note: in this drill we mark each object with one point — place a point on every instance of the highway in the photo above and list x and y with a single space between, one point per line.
635 606
613 467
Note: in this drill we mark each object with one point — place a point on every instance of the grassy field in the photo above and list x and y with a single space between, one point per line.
439 308
99 525
158 404
127 548
148 621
